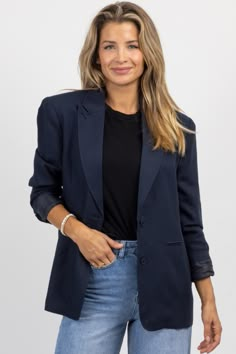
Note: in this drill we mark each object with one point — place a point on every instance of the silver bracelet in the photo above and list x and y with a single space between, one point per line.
64 221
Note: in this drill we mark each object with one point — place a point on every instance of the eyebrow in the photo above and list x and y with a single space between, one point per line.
135 40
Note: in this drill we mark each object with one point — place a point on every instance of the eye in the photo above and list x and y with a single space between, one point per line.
132 45
108 46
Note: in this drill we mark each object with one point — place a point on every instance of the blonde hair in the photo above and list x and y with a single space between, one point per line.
159 108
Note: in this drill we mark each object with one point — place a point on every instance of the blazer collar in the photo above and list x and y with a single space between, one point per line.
90 134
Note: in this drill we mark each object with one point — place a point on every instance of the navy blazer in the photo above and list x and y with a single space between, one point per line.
172 249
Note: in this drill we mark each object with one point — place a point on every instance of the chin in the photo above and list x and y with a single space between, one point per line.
122 81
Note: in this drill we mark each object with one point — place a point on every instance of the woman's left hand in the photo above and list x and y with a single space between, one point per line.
212 328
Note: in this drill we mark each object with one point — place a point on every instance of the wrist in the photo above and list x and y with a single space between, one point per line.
208 301
75 229
205 291
64 220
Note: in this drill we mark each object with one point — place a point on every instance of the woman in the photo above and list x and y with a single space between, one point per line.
115 171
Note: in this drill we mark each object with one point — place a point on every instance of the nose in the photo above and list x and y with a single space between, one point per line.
121 55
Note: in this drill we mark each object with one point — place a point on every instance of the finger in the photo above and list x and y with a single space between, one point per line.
215 343
204 343
94 263
102 262
206 346
204 349
110 256
108 260
113 243
97 262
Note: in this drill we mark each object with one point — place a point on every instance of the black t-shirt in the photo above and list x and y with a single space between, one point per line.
122 147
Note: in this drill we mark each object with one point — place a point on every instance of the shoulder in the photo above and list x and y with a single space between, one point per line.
67 100
186 121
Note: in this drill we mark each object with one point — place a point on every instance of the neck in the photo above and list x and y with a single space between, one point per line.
123 99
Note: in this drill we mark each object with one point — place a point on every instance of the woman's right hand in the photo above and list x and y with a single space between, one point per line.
96 247
93 244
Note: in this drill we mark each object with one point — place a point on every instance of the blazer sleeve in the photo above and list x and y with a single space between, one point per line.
46 181
190 210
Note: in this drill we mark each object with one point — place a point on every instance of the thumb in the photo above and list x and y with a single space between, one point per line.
113 243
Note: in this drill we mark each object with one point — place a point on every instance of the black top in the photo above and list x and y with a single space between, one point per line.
122 146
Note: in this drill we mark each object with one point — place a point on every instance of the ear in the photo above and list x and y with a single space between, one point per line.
98 61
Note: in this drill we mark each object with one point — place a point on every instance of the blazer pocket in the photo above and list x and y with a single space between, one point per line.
175 243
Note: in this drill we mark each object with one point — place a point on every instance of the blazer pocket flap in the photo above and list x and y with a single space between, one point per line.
175 243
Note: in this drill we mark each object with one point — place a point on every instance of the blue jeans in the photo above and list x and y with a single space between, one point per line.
111 303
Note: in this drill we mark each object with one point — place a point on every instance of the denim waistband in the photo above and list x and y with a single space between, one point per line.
129 247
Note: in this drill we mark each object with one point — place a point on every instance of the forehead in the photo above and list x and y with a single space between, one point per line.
113 30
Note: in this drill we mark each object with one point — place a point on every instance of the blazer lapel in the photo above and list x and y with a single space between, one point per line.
90 131
90 135
149 166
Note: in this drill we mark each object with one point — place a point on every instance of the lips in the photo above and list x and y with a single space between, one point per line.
121 70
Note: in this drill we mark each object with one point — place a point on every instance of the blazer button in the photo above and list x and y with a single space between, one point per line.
141 221
142 260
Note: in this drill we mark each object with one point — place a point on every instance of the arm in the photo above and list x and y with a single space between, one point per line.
46 181
196 245
190 210
205 291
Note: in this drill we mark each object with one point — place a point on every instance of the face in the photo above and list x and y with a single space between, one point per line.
121 60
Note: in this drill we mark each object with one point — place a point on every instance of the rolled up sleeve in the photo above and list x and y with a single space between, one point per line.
46 181
190 209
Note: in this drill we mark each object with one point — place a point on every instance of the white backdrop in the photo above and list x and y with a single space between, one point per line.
40 44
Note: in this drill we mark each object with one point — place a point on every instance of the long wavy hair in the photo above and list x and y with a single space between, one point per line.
160 110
